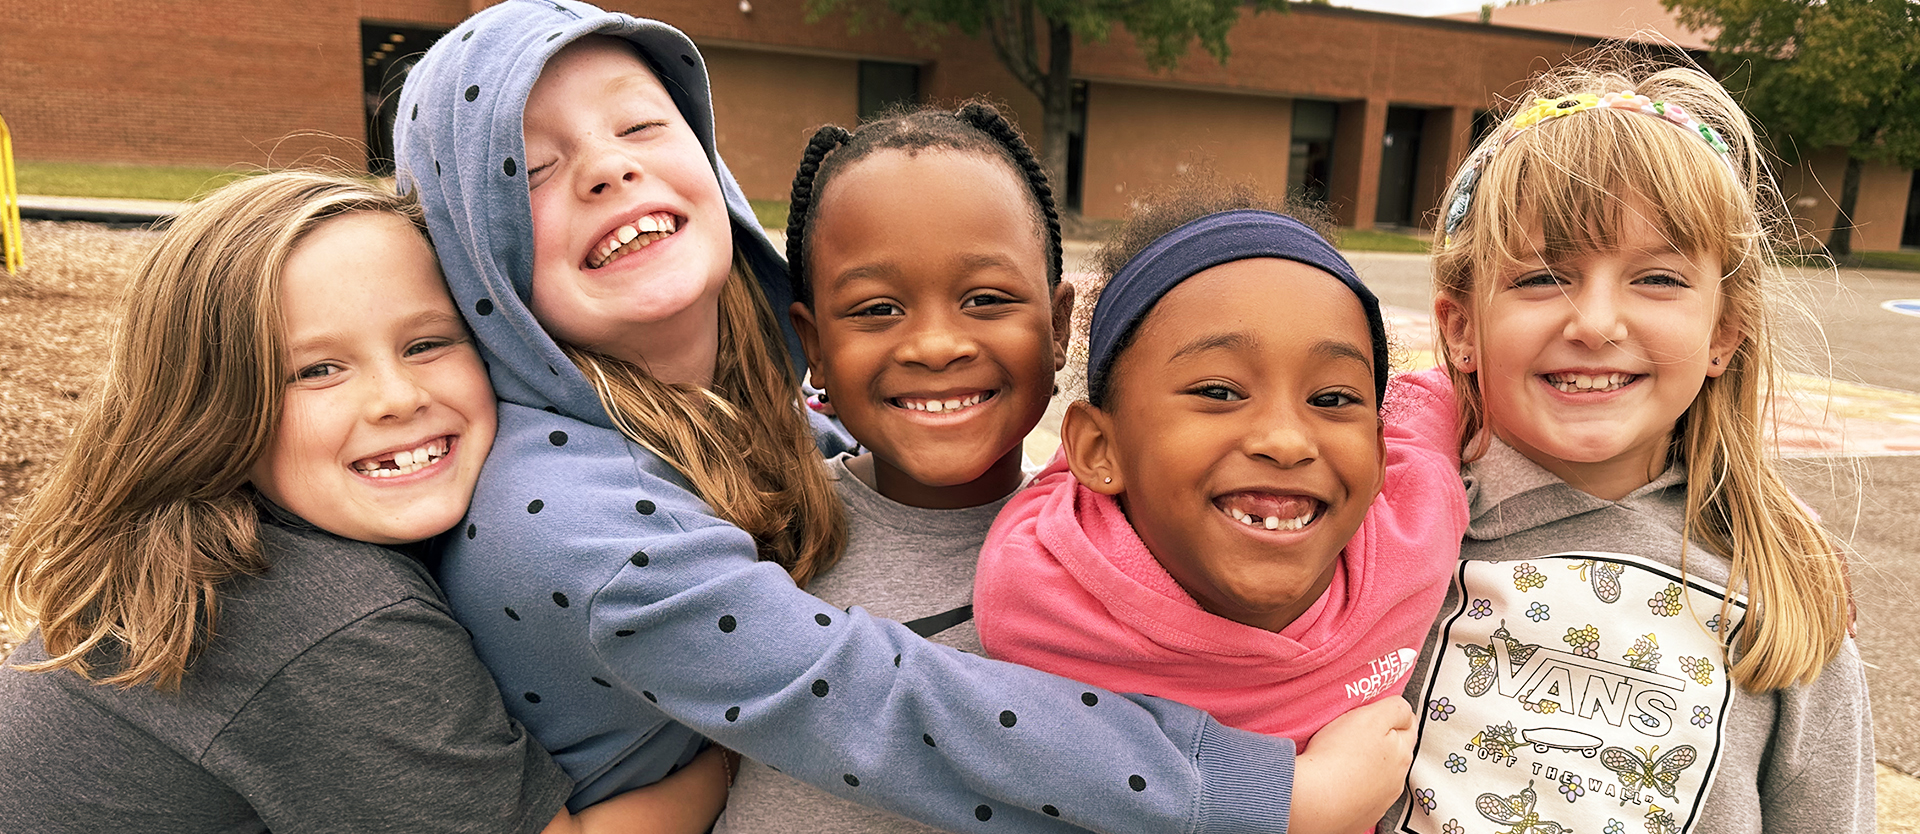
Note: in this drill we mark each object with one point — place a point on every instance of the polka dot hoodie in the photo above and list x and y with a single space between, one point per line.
623 621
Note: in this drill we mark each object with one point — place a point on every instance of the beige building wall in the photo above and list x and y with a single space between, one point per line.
767 104
1141 137
1812 192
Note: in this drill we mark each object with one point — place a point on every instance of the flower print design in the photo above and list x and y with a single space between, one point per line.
1713 623
1480 608
1698 668
1666 602
1572 789
1585 640
1456 763
1439 709
1615 826
1527 577
1645 654
1542 707
1702 716
1424 797
1452 827
1539 612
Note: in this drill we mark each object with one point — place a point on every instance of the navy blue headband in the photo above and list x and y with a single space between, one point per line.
1206 243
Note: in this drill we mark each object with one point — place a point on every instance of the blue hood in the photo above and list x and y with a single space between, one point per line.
459 146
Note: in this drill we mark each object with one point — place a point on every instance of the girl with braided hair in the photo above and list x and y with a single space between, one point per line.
628 565
925 257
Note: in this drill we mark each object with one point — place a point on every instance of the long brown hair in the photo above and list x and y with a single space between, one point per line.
745 443
1569 179
120 555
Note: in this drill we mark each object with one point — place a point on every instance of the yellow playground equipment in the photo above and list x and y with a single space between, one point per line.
10 244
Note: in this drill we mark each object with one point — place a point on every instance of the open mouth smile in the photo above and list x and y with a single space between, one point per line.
633 237
1573 383
1269 510
405 461
941 405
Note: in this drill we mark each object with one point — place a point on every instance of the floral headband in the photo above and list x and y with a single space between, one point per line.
1545 110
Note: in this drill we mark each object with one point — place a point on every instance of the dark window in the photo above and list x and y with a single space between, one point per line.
1310 162
884 85
387 51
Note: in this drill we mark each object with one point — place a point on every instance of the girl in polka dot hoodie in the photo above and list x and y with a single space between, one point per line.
605 260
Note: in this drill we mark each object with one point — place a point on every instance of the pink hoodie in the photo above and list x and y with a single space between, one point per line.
1066 586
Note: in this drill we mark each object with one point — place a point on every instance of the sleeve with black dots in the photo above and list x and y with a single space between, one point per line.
623 618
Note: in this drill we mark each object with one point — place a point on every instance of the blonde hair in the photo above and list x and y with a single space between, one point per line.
745 445
120 555
1566 180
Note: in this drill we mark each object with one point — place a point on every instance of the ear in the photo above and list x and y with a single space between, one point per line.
1726 339
803 326
1062 323
1454 318
1086 437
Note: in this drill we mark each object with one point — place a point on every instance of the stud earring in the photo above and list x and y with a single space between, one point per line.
823 397
1106 479
1716 360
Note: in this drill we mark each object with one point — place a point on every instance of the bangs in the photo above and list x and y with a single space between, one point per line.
1582 179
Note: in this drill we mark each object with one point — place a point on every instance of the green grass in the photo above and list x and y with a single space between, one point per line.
1374 240
772 214
142 182
1909 261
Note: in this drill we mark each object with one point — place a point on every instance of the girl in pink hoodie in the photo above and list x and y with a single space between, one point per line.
1231 524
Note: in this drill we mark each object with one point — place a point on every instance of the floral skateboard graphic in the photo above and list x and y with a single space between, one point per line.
1579 692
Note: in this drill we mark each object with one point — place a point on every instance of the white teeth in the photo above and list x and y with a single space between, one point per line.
1576 383
633 237
1272 522
942 406
404 462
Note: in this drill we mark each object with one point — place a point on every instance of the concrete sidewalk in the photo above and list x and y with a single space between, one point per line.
108 210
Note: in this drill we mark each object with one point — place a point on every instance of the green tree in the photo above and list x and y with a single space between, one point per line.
1824 73
1163 28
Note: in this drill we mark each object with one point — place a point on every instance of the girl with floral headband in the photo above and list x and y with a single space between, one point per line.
1646 632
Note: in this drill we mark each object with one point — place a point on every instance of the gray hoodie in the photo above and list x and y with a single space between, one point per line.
1572 682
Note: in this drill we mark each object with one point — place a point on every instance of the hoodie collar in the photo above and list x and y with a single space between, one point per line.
1502 476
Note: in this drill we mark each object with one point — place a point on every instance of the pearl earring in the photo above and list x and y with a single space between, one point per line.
1106 480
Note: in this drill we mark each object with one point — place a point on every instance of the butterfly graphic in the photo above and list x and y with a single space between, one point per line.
1644 770
1480 659
1517 812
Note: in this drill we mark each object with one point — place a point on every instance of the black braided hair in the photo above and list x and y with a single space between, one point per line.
976 126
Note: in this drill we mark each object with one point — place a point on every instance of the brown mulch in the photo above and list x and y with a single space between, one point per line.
56 319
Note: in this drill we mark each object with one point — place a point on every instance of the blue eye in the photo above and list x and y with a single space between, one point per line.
318 370
425 345
1664 279
1543 278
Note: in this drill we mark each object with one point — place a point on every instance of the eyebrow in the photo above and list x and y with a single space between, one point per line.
1216 341
425 318
884 271
1334 349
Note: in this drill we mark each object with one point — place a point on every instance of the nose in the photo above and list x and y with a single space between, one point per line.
396 394
607 167
1280 435
935 341
1595 320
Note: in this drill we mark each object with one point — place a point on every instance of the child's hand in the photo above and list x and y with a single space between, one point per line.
686 802
1353 769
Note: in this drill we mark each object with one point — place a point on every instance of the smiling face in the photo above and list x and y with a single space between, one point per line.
932 327
631 240
388 413
1241 435
1586 364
